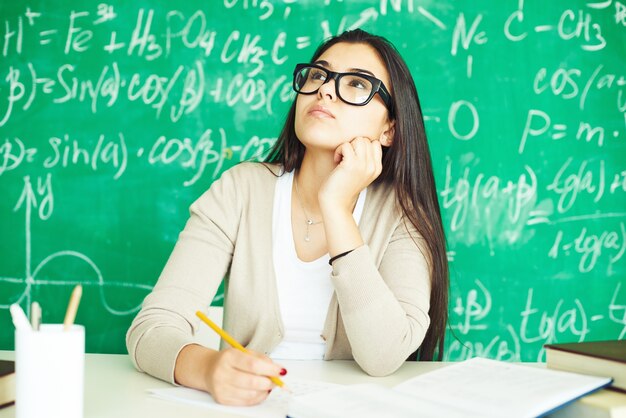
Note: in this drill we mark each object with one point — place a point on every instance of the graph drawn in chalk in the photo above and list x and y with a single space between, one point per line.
41 199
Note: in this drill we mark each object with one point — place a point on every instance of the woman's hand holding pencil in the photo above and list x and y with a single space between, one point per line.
234 376
241 378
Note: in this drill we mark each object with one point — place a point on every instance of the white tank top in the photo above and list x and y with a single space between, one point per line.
304 288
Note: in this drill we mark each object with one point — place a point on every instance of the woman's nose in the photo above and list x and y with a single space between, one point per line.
328 90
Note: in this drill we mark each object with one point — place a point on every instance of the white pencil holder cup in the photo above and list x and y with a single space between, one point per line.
49 372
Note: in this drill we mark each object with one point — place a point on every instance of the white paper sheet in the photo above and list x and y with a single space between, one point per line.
368 401
275 406
495 388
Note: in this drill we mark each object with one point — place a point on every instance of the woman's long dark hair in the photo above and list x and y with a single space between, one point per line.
406 167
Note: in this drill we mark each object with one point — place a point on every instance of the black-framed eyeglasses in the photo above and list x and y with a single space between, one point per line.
353 88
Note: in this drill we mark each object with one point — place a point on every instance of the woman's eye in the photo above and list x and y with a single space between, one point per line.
317 75
357 83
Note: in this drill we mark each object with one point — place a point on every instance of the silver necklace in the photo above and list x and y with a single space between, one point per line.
309 222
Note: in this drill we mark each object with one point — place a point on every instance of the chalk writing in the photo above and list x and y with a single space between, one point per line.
502 206
565 320
539 124
473 311
41 197
582 179
570 83
590 247
617 311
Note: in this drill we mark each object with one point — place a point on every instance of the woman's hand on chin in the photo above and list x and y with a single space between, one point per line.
359 164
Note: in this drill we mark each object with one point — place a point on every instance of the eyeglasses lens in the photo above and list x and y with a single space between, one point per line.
352 88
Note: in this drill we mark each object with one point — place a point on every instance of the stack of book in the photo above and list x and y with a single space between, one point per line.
7 383
597 358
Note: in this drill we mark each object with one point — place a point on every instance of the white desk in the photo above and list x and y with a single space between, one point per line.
115 389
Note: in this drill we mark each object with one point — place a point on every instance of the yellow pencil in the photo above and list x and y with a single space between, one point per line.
72 307
230 340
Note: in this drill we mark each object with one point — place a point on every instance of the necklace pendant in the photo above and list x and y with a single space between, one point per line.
309 222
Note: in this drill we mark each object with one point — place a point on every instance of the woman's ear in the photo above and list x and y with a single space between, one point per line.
386 138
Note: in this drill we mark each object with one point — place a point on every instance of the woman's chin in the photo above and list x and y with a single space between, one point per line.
322 144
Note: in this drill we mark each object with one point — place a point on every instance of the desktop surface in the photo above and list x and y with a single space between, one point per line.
114 388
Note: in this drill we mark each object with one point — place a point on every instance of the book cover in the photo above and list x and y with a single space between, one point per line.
614 350
597 358
7 382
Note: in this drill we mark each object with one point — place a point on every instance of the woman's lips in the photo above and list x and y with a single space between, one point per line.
320 112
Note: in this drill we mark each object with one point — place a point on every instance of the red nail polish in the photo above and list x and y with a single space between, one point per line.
283 372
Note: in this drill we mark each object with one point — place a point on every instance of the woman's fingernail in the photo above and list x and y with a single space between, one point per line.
283 372
269 391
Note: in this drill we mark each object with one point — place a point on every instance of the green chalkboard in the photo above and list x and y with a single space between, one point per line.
115 116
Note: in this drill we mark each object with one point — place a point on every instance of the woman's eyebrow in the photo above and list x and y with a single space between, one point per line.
361 70
350 70
323 64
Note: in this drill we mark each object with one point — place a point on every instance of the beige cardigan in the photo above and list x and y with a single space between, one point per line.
378 314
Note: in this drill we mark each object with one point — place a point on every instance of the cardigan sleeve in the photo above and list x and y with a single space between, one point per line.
201 257
385 308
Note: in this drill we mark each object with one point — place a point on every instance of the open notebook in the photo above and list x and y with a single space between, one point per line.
473 388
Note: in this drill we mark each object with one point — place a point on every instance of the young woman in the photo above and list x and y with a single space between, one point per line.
332 249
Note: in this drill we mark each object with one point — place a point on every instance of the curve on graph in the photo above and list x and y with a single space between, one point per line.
100 283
